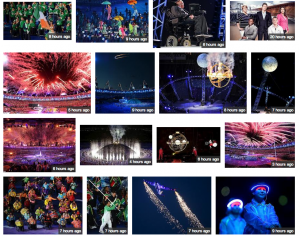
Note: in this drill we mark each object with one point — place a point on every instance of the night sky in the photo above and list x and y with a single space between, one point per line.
281 81
196 192
239 187
133 67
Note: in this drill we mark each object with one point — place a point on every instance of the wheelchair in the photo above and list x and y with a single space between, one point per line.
180 33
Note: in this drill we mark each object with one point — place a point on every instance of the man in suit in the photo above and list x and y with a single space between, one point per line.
250 31
263 21
200 24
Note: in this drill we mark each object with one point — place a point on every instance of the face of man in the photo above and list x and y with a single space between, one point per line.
275 21
260 193
180 4
264 7
235 208
250 22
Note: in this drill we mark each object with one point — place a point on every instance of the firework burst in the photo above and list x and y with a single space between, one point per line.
161 208
47 73
259 134
194 221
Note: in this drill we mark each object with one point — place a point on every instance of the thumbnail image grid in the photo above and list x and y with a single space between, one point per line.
53 83
171 205
107 205
115 144
202 82
37 20
39 144
42 205
130 88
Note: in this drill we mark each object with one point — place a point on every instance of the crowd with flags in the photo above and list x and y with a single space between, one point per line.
28 19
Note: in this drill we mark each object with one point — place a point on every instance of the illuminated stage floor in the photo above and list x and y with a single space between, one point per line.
190 106
263 162
119 107
29 156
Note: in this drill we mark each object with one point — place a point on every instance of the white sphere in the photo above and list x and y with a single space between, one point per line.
170 137
269 64
177 142
201 60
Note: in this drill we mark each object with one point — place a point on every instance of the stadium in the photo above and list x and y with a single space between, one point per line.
36 144
46 82
259 144
201 83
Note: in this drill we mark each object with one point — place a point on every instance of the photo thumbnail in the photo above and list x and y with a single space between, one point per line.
39 144
188 145
107 205
255 205
189 23
203 83
42 205
260 144
125 82
273 83
53 83
37 20
171 205
112 21
115 144
262 20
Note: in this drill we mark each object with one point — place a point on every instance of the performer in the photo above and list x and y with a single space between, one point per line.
195 152
161 154
260 217
106 219
233 223
108 8
264 20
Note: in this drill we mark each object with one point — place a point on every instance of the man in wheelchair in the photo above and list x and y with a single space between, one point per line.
185 25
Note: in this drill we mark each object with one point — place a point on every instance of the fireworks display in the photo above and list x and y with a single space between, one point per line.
188 213
42 74
47 134
259 134
161 208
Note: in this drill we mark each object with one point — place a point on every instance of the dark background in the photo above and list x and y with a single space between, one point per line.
281 81
135 68
196 192
240 188
196 137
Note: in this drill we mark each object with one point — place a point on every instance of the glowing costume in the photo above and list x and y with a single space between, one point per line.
259 217
232 225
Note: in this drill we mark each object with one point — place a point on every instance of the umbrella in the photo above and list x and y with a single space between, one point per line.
24 210
132 2
106 3
118 18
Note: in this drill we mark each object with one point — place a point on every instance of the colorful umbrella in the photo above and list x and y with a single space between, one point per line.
118 18
106 3
132 2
